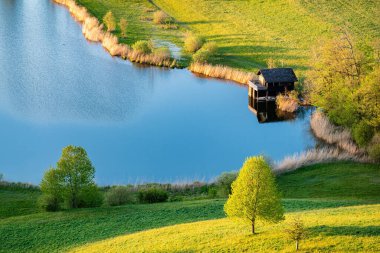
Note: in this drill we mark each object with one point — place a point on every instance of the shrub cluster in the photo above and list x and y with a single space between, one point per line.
160 17
143 47
193 42
204 54
152 195
118 195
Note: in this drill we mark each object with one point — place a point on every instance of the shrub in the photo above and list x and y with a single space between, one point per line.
193 43
163 52
152 195
374 148
160 17
90 197
110 21
211 47
201 56
362 133
142 47
49 203
287 103
224 182
118 195
123 27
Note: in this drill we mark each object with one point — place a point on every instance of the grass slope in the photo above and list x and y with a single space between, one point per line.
249 32
56 232
343 180
345 229
314 190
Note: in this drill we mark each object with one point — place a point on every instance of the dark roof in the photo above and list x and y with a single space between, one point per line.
278 75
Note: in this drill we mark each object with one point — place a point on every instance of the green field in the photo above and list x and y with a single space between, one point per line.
249 32
340 215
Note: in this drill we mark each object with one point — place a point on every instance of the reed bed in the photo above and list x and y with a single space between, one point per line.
223 72
93 30
341 137
314 156
286 103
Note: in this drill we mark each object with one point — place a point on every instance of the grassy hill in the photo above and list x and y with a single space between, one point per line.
345 229
315 193
248 32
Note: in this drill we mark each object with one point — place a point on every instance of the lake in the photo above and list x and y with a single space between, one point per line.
137 123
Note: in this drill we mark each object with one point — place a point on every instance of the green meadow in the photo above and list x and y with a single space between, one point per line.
248 33
319 194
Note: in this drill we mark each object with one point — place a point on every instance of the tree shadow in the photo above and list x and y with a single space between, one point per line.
346 230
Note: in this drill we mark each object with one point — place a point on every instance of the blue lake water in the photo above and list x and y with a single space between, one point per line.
136 123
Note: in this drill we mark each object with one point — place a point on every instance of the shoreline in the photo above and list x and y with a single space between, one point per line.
93 31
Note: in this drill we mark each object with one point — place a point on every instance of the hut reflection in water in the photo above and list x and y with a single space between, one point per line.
266 111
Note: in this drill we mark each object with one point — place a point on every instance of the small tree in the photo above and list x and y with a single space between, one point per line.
123 27
296 231
72 181
254 194
110 21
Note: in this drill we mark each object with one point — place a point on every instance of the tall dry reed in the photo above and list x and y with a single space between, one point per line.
287 103
93 30
223 72
331 134
314 156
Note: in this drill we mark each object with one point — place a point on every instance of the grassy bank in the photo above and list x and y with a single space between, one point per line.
247 32
311 191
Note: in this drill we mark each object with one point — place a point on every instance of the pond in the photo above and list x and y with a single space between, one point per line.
137 123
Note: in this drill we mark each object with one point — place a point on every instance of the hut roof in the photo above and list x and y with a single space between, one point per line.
278 75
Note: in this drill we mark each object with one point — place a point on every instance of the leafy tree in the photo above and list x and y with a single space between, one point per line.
123 27
72 181
52 187
296 231
254 194
110 21
344 82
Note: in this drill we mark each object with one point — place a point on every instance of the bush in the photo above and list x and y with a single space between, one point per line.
90 197
211 47
193 43
110 21
163 52
201 56
123 27
160 17
224 181
374 148
143 47
118 195
362 133
152 195
49 203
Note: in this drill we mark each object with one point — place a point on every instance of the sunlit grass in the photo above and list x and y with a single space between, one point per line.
344 229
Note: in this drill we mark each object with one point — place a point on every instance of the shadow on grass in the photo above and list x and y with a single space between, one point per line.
346 230
297 205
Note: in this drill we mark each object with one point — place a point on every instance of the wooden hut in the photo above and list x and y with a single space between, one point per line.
271 82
